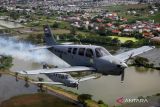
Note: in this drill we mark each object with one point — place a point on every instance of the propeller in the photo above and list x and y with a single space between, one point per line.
78 84
123 72
130 56
122 76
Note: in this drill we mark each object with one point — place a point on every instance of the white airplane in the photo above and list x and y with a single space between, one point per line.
63 79
86 57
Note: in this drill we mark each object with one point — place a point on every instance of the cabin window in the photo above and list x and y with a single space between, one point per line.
89 53
69 50
62 77
74 50
101 52
81 51
67 77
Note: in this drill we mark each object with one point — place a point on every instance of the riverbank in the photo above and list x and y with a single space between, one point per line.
36 100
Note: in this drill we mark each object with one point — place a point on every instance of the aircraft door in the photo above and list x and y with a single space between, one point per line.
89 55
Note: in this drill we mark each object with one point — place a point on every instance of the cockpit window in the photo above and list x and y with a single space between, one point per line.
81 51
101 52
89 53
74 50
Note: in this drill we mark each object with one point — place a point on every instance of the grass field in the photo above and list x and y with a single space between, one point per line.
124 39
36 100
121 8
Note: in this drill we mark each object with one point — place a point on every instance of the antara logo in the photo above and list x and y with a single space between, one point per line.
120 100
123 100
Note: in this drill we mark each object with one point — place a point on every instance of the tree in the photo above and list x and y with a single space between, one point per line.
128 44
26 82
14 15
35 38
73 31
141 61
6 62
101 30
55 25
16 75
83 97
100 102
115 41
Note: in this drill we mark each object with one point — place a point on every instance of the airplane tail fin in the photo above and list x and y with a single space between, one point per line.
48 37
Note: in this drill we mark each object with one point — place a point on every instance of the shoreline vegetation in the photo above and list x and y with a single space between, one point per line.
139 61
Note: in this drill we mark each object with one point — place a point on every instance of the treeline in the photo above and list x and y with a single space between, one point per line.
105 40
85 98
6 62
92 39
142 61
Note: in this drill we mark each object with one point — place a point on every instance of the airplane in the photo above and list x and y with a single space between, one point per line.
64 79
86 57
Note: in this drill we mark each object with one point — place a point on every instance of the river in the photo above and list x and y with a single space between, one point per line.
137 82
9 87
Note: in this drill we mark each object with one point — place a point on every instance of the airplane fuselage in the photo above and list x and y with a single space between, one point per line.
64 78
90 56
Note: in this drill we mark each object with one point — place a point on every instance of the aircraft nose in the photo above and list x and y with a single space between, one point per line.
122 65
74 84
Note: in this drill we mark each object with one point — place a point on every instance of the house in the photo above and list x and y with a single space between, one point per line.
148 35
156 39
117 32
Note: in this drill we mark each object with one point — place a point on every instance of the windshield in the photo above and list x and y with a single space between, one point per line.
101 52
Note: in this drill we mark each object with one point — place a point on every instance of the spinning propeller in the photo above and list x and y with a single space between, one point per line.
123 72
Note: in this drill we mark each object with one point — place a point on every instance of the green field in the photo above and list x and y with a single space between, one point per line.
124 39
36 100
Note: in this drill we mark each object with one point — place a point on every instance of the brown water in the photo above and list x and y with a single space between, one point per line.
9 87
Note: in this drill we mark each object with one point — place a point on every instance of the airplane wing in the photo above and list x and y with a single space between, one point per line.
53 83
87 78
126 55
59 70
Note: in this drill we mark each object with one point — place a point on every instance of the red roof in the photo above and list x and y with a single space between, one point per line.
99 20
115 31
109 24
